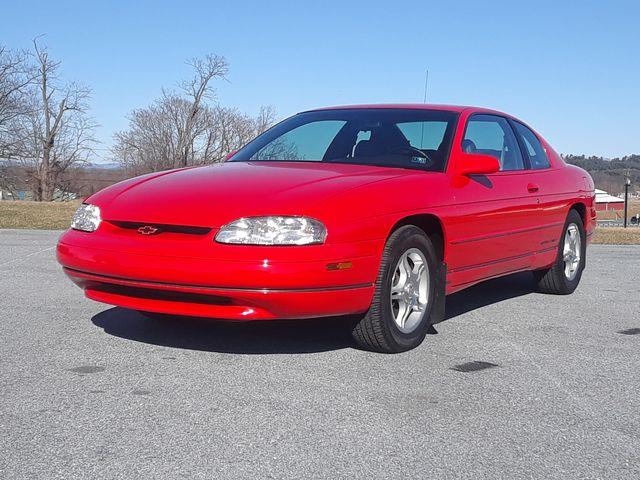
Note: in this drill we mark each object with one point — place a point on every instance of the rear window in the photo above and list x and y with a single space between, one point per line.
387 137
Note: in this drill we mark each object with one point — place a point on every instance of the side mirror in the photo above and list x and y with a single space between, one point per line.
477 164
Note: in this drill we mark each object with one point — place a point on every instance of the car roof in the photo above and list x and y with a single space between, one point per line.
412 106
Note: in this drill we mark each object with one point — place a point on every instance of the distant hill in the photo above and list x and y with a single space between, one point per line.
105 166
607 174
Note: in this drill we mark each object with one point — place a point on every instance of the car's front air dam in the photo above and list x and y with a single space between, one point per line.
224 303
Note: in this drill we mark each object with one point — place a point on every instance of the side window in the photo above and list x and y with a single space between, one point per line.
308 142
534 150
492 135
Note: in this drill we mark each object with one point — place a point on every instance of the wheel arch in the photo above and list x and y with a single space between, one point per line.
581 209
431 225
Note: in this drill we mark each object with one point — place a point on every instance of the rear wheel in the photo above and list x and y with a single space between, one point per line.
564 275
399 315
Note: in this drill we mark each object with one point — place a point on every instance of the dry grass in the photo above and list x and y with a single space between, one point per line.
632 209
617 236
610 215
38 215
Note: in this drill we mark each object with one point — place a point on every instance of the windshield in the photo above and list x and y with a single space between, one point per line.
387 137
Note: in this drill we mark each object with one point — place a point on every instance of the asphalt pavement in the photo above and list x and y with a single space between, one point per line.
515 385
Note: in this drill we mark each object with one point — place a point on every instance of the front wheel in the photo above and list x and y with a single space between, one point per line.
563 277
399 315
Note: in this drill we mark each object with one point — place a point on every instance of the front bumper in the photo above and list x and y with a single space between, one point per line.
286 288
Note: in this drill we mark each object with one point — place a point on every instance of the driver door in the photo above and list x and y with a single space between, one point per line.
491 232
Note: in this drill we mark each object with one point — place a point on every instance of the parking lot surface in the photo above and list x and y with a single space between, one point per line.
515 385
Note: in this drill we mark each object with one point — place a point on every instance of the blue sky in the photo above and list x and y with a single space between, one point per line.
570 69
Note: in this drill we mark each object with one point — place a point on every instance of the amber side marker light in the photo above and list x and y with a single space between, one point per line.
339 266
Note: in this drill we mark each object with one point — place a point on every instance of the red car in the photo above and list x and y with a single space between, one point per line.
376 210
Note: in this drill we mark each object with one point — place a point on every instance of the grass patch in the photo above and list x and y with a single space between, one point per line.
37 215
617 236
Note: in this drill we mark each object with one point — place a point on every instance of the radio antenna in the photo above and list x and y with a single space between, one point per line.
426 86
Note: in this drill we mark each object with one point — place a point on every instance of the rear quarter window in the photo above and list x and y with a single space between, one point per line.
533 148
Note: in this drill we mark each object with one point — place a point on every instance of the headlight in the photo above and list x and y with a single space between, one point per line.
87 218
273 231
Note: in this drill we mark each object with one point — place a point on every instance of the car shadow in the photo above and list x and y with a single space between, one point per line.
281 336
258 337
488 293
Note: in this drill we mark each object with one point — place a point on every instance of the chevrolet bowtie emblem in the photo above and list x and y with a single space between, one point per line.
148 230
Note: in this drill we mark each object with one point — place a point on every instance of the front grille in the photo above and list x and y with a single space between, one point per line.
162 228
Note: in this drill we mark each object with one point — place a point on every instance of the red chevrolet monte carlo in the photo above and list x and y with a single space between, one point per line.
377 210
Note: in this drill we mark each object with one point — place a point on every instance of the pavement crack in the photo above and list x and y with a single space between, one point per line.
19 259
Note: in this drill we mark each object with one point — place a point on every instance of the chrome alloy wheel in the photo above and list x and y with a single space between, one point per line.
409 290
572 251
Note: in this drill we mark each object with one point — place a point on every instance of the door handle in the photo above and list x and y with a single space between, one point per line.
533 188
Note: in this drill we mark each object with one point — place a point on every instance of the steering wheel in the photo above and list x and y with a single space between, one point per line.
412 152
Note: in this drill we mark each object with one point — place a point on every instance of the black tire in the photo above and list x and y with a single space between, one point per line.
377 330
553 280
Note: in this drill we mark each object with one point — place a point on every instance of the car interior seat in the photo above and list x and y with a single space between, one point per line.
468 146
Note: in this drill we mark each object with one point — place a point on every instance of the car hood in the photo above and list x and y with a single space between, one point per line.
217 194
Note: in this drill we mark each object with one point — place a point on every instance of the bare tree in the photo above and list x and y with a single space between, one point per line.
57 132
16 77
11 180
228 130
182 128
264 120
196 91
